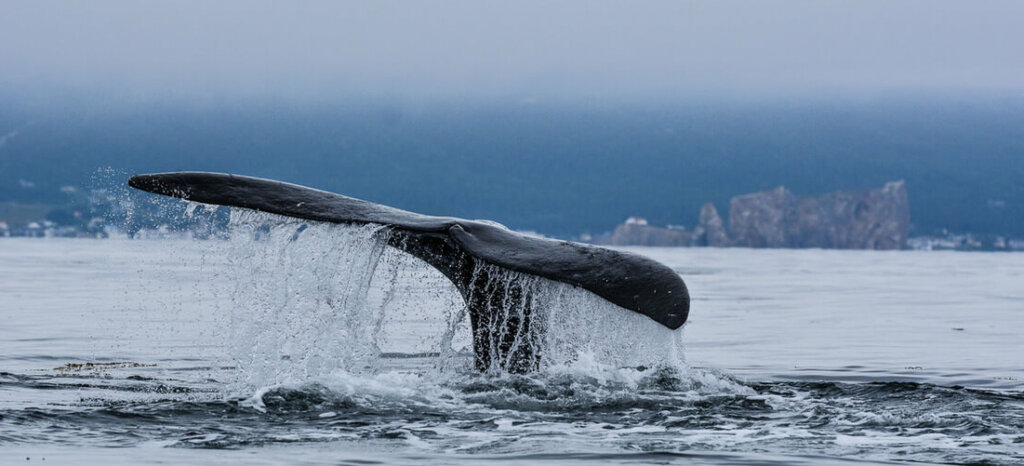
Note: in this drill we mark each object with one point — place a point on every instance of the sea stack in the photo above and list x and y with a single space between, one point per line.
710 229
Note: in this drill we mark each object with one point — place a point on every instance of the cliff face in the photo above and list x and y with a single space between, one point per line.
711 229
645 235
763 220
875 219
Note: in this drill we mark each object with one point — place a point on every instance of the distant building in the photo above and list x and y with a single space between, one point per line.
636 221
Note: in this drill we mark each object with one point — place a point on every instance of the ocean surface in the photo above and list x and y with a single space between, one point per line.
292 343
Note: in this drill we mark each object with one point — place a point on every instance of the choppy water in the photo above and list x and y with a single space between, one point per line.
320 346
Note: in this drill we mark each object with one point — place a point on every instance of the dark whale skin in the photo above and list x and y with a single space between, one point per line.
454 246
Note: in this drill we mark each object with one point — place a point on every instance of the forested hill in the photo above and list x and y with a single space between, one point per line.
557 169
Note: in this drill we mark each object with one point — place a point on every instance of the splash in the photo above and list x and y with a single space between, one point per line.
300 297
312 299
565 325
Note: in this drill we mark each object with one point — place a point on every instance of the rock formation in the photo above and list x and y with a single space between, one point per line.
875 219
764 220
633 234
710 230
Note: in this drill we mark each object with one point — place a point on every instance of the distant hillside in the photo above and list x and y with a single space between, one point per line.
560 170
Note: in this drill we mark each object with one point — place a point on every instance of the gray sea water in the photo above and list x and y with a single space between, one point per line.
295 343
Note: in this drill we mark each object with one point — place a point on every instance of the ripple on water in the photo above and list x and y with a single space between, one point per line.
667 409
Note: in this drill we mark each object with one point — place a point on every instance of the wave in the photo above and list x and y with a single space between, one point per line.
571 408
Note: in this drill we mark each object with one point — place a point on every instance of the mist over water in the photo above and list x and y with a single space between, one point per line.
559 169
292 337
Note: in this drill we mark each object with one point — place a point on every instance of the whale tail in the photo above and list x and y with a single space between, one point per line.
469 253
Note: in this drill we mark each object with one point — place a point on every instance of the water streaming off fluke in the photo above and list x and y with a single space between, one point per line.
312 298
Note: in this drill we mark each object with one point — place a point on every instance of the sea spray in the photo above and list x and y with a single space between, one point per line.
312 299
300 298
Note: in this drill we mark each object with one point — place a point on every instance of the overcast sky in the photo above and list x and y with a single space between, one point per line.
510 49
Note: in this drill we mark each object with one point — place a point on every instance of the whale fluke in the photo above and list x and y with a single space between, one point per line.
457 248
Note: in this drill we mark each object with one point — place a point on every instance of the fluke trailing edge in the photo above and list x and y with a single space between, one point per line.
457 247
